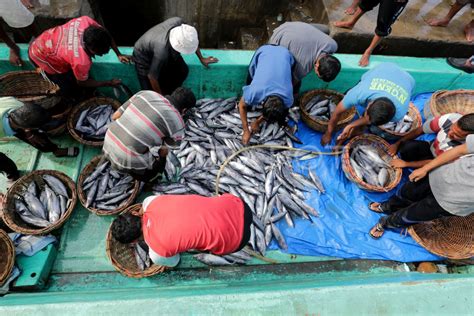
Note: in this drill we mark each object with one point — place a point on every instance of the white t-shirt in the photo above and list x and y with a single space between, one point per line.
15 14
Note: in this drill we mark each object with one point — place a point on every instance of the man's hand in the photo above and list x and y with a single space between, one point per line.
27 3
255 126
326 139
208 60
418 174
163 152
246 137
398 163
124 59
393 149
15 58
346 133
364 60
115 82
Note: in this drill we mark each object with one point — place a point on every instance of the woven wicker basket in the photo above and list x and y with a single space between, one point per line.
451 237
76 112
444 102
7 256
29 86
88 169
122 256
14 221
320 125
391 135
382 148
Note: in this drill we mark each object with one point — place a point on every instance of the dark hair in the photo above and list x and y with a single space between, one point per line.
466 123
329 67
97 39
30 115
274 110
126 228
182 98
381 111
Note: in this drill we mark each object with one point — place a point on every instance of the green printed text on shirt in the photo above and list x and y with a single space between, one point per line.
379 84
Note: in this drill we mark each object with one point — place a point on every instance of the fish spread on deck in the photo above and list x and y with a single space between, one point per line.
369 166
402 126
265 180
94 122
320 107
42 207
107 189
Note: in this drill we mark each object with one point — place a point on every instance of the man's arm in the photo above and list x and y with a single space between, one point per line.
393 149
442 159
326 139
155 85
205 61
123 58
91 83
245 125
14 49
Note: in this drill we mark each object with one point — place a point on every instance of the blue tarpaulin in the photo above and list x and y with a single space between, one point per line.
342 228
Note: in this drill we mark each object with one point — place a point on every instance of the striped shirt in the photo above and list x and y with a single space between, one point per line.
441 126
146 119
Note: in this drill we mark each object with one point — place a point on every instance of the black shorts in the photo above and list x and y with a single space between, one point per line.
247 223
389 11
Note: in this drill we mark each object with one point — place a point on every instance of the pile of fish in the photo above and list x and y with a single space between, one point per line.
318 107
94 122
264 179
402 126
107 189
141 256
369 166
43 207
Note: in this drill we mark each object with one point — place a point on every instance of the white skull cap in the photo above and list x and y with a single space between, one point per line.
184 39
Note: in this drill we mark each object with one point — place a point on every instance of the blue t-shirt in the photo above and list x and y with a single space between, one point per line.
386 80
270 70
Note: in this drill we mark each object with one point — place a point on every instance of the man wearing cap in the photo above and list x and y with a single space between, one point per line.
157 55
173 224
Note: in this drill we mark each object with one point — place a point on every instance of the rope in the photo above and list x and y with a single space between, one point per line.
224 164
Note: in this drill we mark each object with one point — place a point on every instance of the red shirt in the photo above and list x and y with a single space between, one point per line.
177 223
61 49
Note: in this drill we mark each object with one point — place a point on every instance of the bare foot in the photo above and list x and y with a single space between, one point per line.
351 10
15 59
344 24
469 31
364 60
437 22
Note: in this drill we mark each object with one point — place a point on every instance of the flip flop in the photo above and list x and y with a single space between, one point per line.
378 210
378 228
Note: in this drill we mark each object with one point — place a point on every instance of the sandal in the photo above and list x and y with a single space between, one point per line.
67 152
377 228
378 209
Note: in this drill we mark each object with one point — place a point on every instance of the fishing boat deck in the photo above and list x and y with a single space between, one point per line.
78 275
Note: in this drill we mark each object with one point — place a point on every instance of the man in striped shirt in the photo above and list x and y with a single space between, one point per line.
134 142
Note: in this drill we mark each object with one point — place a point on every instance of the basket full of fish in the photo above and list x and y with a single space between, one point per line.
316 107
263 178
366 162
104 190
131 260
89 121
39 202
396 130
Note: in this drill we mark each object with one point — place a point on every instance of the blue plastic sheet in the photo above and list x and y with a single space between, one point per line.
342 229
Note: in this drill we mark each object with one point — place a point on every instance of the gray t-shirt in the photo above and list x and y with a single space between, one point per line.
153 50
453 184
305 42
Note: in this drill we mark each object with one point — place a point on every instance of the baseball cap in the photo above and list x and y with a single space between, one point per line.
184 39
164 261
